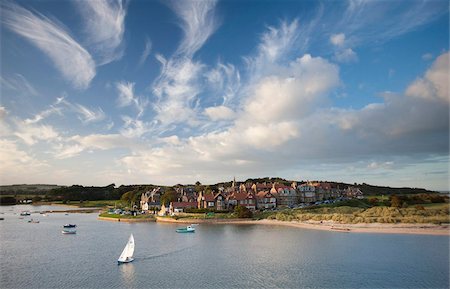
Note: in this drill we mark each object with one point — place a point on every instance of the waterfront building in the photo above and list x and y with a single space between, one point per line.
265 200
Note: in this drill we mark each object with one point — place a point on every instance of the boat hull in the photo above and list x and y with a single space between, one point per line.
125 261
69 232
185 231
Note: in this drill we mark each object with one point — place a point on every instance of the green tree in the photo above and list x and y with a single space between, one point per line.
170 195
243 212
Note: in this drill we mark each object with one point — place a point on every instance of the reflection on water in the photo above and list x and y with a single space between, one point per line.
127 274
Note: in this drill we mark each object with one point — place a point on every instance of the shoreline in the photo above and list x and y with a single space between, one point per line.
377 228
125 220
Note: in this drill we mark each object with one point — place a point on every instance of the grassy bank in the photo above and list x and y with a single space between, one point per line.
436 214
124 217
204 216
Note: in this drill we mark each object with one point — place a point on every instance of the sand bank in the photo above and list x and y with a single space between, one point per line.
420 229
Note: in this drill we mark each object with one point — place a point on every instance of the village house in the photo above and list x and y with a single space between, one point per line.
151 199
242 199
186 194
211 201
286 196
180 207
354 192
307 193
164 211
265 200
323 191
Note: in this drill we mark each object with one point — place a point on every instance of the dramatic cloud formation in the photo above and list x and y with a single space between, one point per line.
299 90
54 40
104 26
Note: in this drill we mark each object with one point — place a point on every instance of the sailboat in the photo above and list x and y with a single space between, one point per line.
127 253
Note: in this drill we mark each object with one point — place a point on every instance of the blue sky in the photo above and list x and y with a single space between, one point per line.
166 92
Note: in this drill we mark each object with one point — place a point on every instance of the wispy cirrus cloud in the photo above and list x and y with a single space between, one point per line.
127 97
366 21
54 40
105 27
179 82
85 114
198 22
19 83
146 52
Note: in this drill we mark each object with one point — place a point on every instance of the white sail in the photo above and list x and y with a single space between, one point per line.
128 251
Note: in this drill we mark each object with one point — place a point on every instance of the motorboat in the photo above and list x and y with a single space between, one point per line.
188 229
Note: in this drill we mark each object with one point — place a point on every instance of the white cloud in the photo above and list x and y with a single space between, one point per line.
146 52
30 133
104 26
427 56
337 39
54 40
291 94
378 165
277 41
179 83
75 145
19 83
127 97
224 81
434 85
198 22
345 55
177 89
44 114
133 128
219 113
16 163
87 115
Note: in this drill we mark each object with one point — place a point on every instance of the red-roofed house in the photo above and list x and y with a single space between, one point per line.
211 201
265 200
243 199
180 207
286 195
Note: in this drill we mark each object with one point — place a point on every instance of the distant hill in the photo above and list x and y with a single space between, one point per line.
36 189
76 192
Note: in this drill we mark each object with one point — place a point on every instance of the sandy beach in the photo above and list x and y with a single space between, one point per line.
418 229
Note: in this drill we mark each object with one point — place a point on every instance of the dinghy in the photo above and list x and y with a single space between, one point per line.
127 253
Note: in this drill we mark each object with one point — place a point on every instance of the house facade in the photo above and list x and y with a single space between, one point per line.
265 200
286 196
151 199
180 207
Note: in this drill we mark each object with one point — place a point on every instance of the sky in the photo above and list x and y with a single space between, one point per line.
168 92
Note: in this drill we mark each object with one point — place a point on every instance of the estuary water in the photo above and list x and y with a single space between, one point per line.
215 256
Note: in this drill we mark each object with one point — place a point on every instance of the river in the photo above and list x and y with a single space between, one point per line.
215 256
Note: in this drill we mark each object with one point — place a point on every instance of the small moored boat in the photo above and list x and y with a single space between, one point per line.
33 221
69 229
25 213
188 229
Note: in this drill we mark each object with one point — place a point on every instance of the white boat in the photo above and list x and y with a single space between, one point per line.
69 229
127 253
